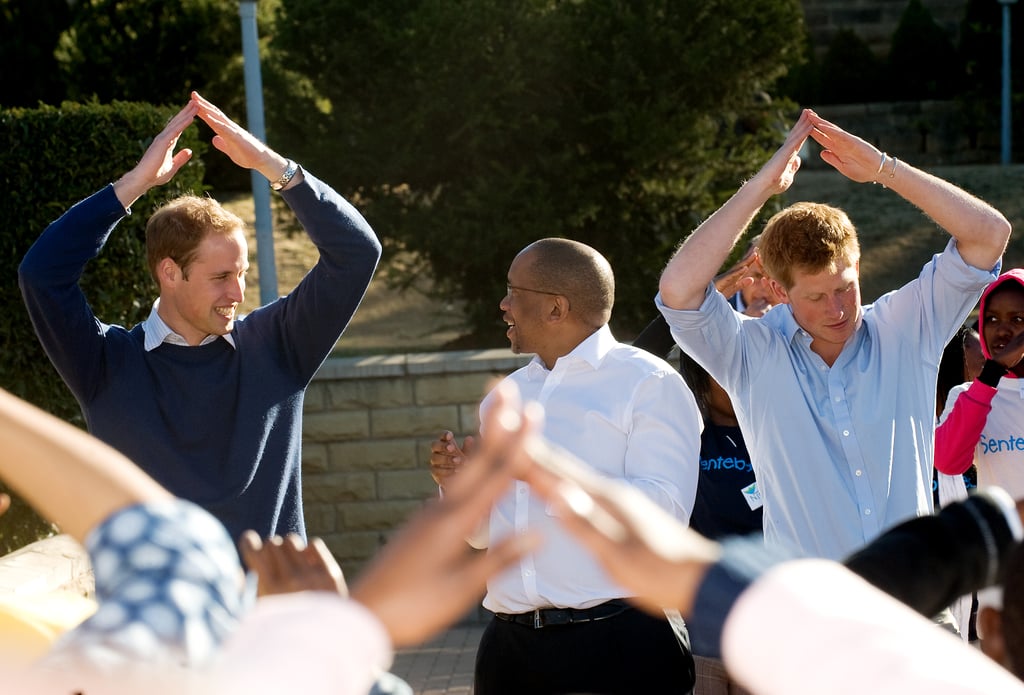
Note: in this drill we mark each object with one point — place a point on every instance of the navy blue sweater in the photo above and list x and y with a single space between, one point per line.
216 425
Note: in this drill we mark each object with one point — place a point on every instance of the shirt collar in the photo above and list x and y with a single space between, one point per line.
591 350
157 332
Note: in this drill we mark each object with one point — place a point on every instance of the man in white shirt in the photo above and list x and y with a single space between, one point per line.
560 624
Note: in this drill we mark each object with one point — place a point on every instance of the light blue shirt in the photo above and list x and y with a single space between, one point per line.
840 453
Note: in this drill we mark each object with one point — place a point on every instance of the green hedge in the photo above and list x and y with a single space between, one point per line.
53 157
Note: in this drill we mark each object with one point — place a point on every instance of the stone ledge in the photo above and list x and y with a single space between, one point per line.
57 563
452 362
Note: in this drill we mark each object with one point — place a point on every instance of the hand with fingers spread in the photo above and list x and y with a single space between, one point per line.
160 162
426 576
446 457
288 564
853 157
743 274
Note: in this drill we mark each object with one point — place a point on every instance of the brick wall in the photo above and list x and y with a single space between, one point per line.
368 424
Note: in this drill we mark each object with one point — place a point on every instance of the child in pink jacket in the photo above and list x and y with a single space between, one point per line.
983 421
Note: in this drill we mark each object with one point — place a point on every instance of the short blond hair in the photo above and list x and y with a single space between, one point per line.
177 228
810 237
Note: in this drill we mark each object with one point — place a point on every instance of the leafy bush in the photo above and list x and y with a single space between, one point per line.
55 157
469 130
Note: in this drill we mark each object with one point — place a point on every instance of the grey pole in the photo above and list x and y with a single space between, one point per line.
1007 148
260 189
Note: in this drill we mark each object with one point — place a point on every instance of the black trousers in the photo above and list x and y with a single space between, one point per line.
631 653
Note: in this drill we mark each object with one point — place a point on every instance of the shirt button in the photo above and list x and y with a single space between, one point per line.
846 433
838 398
867 512
858 473
528 573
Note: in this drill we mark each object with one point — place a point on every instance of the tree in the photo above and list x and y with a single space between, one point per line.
912 78
29 31
851 73
981 41
153 51
469 129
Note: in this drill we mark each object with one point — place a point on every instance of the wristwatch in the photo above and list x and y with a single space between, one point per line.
289 172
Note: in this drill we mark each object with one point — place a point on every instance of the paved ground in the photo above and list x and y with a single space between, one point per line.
443 666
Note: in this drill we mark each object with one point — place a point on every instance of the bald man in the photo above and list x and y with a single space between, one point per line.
560 623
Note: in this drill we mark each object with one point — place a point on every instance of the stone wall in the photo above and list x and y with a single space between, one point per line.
368 424
925 133
874 21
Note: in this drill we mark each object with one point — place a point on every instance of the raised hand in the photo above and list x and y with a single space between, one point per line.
236 142
426 576
446 458
285 565
853 157
160 162
778 173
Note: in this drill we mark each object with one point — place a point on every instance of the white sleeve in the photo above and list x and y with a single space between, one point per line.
812 626
313 642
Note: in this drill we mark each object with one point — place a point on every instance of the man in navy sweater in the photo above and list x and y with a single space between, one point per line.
208 403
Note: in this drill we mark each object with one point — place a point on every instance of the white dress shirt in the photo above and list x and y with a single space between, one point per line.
630 416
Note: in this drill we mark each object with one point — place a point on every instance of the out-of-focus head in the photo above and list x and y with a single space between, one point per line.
1001 616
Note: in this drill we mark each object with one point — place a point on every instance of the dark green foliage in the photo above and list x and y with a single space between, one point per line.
923 63
55 157
802 81
153 51
850 72
470 129
29 31
981 53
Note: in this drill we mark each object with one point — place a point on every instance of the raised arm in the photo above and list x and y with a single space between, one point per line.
68 476
981 231
697 261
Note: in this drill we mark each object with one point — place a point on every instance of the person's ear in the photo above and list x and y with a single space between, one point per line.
168 272
990 631
559 308
777 291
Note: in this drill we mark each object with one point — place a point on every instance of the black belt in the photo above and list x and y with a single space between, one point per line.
543 617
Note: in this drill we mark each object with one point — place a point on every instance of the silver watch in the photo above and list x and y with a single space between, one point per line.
289 173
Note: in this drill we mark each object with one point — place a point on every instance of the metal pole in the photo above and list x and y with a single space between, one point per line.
1007 136
260 190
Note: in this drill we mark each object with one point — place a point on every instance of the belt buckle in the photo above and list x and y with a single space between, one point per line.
537 621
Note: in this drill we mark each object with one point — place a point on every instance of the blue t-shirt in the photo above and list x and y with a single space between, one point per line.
724 486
